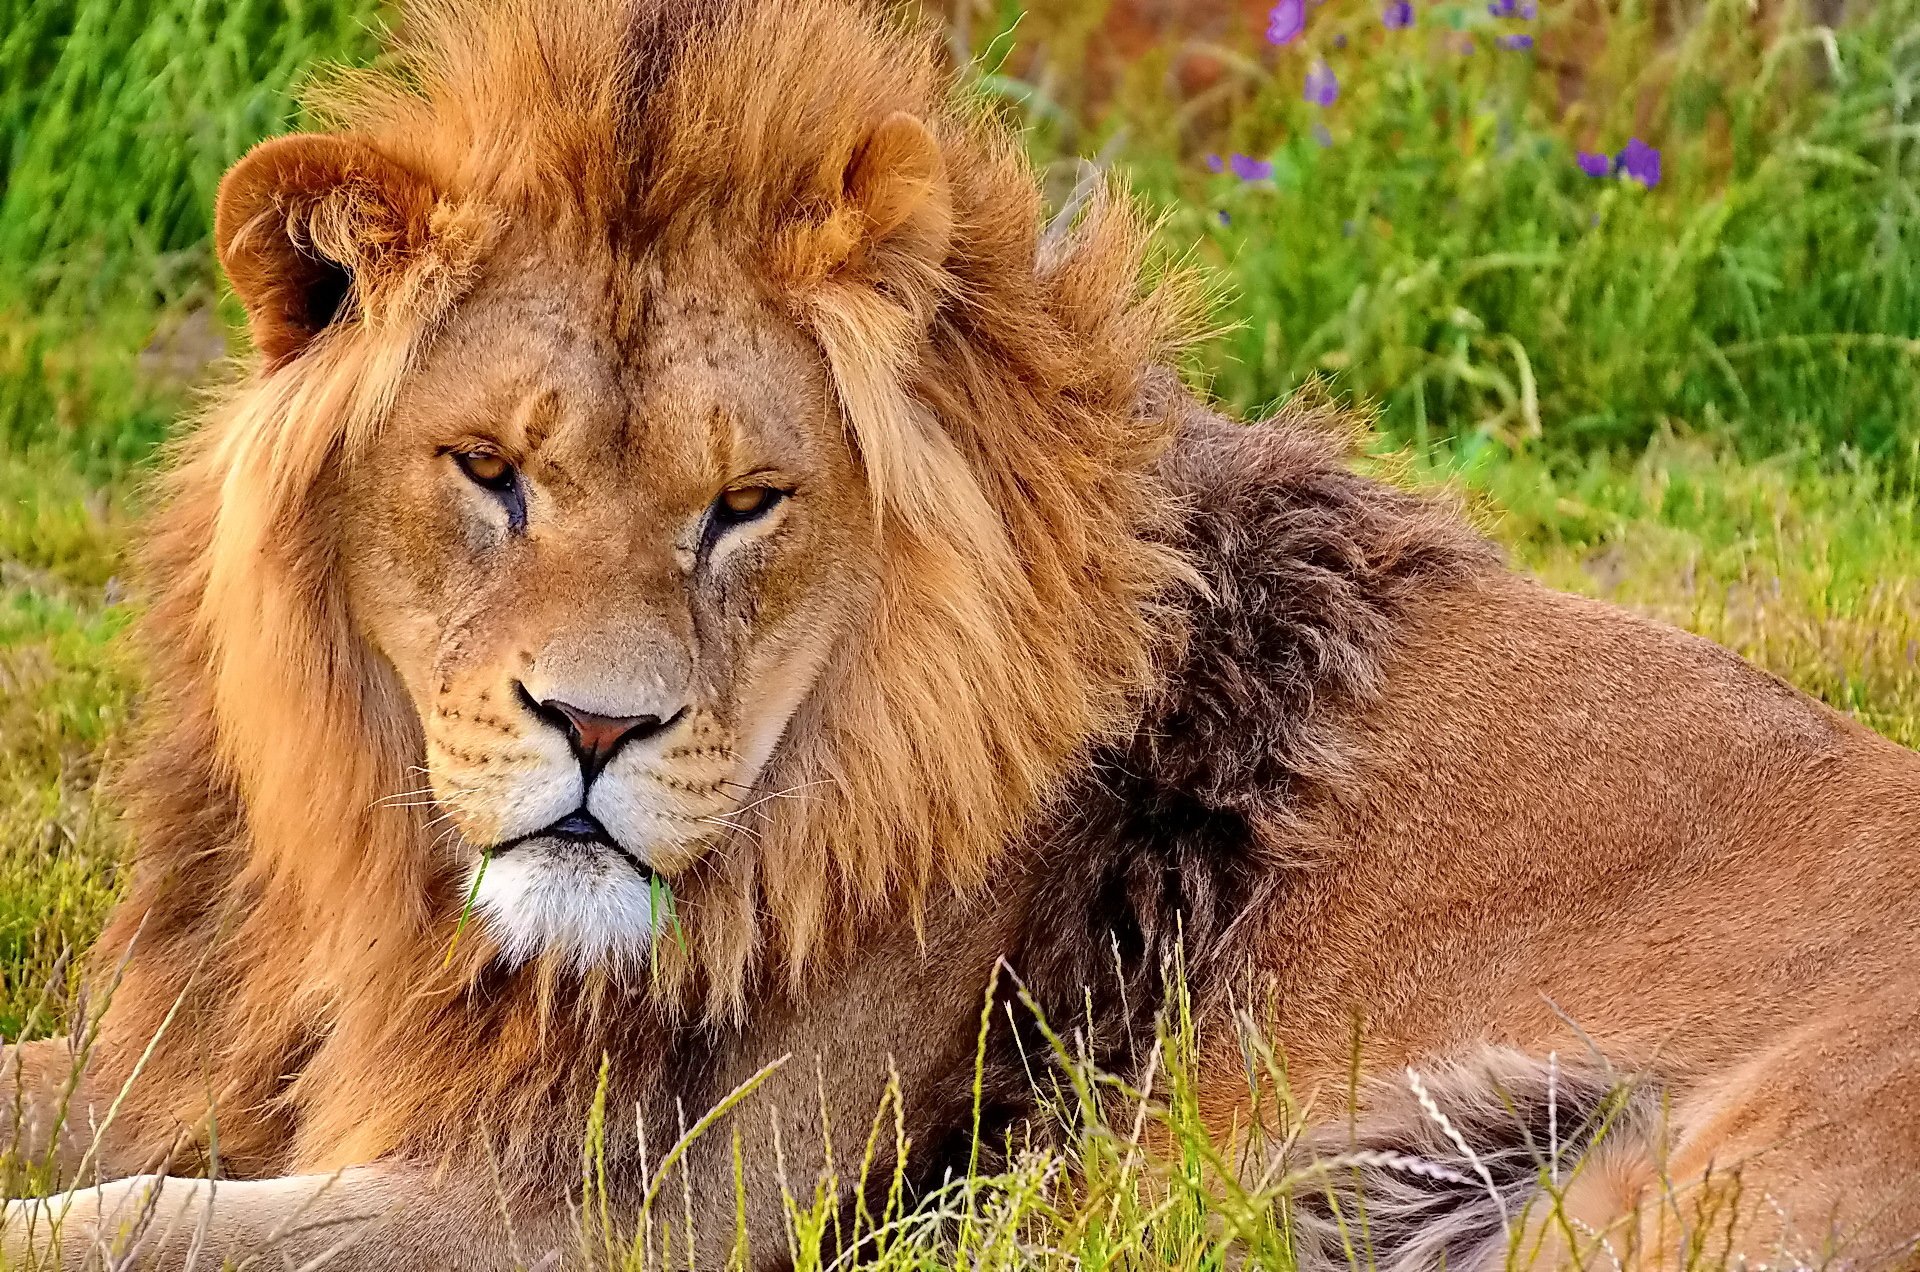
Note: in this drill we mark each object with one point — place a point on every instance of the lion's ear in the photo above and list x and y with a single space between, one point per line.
897 183
309 228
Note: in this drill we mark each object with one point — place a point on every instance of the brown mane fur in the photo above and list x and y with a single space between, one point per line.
287 904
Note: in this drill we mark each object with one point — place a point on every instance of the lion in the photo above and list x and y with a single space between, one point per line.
701 590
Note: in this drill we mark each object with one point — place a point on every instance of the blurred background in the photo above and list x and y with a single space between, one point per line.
1638 281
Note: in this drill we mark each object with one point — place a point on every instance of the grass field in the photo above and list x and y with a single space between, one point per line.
1696 396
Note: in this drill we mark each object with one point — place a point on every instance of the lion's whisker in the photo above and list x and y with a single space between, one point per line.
399 795
733 826
404 799
792 792
418 803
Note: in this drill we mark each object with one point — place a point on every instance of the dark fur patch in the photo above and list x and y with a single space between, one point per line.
1306 569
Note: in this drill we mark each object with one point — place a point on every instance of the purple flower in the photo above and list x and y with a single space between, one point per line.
1286 20
1247 168
1503 8
1224 218
1640 162
1340 40
1321 135
1516 42
1527 11
1593 163
1397 16
1216 164
1322 89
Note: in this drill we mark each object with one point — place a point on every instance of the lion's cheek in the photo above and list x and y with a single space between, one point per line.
780 671
400 633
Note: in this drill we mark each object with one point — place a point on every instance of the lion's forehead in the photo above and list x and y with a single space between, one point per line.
694 385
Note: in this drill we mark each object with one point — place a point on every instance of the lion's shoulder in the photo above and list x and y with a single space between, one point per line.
1306 576
1311 573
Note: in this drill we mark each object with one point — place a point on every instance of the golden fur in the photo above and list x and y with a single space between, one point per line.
1012 515
1034 660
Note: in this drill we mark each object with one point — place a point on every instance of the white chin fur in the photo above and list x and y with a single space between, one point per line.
588 908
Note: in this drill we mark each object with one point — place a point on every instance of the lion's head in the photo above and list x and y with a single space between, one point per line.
678 475
609 542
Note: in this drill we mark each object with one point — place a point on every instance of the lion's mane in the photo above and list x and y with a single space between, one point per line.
290 919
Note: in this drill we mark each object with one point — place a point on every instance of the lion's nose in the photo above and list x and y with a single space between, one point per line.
596 738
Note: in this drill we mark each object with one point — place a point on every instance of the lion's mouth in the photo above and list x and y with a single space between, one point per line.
579 829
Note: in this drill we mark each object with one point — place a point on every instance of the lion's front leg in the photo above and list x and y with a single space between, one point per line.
384 1218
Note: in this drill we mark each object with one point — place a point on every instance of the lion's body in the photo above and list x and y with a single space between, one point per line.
1630 841
1036 665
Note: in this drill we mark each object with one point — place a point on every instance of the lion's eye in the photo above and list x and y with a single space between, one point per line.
745 503
491 472
485 468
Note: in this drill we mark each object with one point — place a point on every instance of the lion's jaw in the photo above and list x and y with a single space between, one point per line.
602 664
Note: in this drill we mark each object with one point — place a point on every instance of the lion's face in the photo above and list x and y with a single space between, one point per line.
607 572
741 499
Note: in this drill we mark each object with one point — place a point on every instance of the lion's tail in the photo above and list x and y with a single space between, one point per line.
1498 1160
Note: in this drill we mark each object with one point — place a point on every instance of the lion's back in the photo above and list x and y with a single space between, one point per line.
1561 811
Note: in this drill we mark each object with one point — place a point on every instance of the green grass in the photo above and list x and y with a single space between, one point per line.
1699 400
1429 243
1809 573
118 121
65 691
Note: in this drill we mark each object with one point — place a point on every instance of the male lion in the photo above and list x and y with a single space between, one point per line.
685 511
